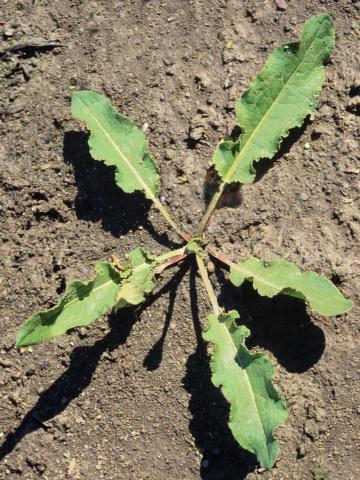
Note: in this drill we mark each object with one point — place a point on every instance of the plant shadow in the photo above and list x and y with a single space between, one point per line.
222 457
77 377
99 199
279 324
154 356
265 164
232 195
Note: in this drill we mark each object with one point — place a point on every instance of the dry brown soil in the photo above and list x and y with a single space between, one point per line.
130 397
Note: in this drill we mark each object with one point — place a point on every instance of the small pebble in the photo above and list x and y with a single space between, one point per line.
281 4
210 267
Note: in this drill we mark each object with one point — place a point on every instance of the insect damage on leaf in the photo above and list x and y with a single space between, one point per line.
245 381
279 99
280 276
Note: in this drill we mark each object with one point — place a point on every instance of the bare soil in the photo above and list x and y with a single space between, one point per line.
130 397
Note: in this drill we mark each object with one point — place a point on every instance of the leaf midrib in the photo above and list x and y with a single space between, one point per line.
248 143
121 154
252 395
66 305
249 274
259 278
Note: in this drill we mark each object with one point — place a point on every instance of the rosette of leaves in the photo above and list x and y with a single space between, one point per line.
279 98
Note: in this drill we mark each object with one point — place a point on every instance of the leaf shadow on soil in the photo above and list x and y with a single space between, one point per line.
232 195
99 199
266 164
83 363
279 324
222 457
153 358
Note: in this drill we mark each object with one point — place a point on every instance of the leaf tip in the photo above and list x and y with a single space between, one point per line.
21 338
347 305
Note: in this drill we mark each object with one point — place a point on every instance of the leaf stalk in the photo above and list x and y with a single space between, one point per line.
219 256
210 209
170 263
169 259
207 284
166 214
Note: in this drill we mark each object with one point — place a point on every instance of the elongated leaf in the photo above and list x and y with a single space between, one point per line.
115 140
82 303
245 381
138 280
278 99
279 276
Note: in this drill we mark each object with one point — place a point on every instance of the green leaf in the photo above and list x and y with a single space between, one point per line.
195 245
245 381
115 140
279 276
82 303
138 280
279 99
